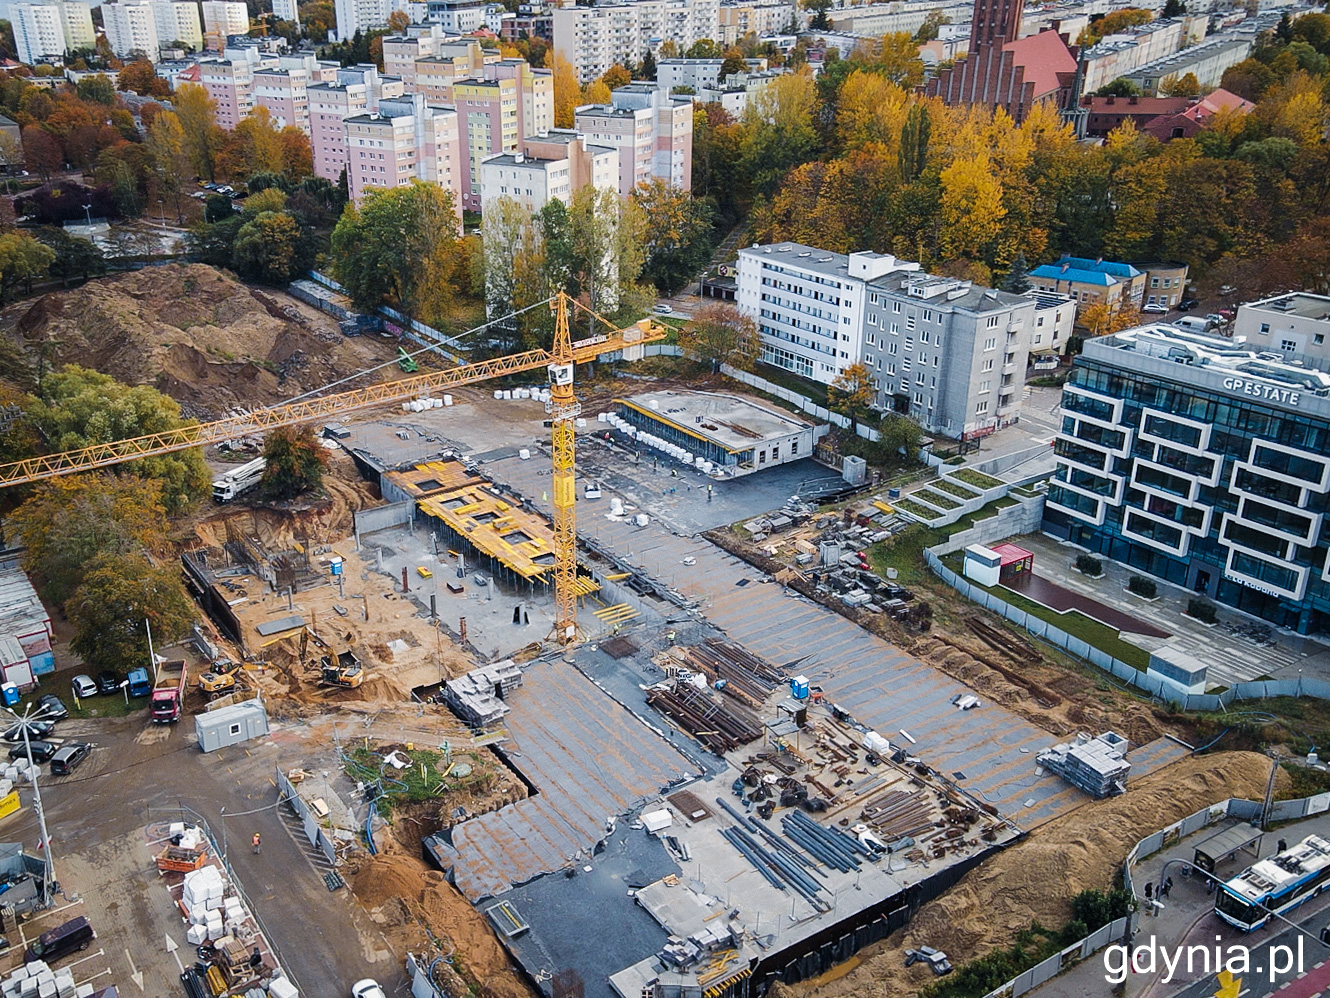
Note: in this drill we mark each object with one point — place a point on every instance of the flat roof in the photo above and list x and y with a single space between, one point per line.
1299 303
1010 553
728 421
494 524
431 477
1214 355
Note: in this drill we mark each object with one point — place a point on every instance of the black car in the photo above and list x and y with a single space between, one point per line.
52 707
36 730
108 682
41 751
1187 304
68 757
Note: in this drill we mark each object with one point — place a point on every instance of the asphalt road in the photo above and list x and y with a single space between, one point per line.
1297 951
140 773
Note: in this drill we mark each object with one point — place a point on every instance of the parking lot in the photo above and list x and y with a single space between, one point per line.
140 773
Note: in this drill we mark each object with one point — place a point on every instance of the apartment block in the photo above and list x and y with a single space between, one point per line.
131 28
487 114
406 140
230 83
595 38
535 93
1199 462
177 22
285 93
224 18
76 20
551 167
283 10
652 131
950 354
355 90
400 52
39 32
738 19
457 17
361 15
1054 320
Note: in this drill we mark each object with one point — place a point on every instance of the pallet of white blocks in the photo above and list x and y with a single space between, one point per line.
37 980
213 911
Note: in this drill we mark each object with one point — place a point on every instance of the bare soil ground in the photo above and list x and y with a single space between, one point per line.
1035 879
194 332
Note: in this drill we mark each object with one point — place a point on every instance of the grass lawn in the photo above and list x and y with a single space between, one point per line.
976 478
419 782
905 553
112 705
787 379
937 499
910 506
954 489
1075 623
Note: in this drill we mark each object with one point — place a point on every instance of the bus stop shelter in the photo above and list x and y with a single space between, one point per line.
1225 844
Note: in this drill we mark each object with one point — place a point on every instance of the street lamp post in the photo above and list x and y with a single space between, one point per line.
87 209
48 880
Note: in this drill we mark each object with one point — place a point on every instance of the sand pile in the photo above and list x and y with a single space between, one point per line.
1036 879
380 881
202 337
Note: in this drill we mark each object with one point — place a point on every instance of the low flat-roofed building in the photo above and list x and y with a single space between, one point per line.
738 435
1291 324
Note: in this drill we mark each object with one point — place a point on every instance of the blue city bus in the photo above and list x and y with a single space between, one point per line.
1275 885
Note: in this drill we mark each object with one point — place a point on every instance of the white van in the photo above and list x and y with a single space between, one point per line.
1194 324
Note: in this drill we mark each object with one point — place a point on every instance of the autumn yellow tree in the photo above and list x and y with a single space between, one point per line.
567 90
198 119
616 76
596 92
166 140
852 393
871 109
972 209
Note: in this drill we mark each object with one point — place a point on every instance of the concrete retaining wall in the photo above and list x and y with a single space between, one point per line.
394 514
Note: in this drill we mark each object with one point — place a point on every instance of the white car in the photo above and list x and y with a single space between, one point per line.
663 309
1156 309
368 988
83 687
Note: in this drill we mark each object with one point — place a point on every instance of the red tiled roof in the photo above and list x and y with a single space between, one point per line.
1140 107
1043 57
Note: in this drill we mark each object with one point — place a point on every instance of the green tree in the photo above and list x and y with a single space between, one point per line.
1119 88
170 155
74 257
604 240
218 208
819 21
1017 280
852 393
720 334
267 248
929 29
67 523
678 234
913 154
1174 8
198 118
704 48
79 407
1096 908
97 88
22 258
900 438
118 597
296 462
400 246
734 63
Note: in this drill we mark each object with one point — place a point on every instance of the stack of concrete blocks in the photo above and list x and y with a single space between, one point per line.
280 987
204 897
37 980
477 697
18 772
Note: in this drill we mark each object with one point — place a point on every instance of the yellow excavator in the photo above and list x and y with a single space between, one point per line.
220 678
344 670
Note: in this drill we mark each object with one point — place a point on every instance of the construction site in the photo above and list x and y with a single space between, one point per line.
639 735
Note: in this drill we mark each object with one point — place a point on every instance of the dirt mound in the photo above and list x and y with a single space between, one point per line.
202 337
1036 879
385 882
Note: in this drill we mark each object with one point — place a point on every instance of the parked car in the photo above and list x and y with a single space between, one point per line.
368 988
41 751
108 682
52 707
76 934
36 730
1154 309
664 309
68 758
1187 304
83 686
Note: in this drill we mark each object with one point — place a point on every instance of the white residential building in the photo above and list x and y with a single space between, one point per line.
360 15
76 19
177 22
286 10
550 167
457 17
131 28
406 140
760 17
39 33
223 18
595 38
1296 325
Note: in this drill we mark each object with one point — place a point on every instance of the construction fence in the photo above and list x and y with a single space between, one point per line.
419 971
1129 674
803 402
310 823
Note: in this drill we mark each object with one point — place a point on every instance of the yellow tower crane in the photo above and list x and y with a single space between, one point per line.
563 408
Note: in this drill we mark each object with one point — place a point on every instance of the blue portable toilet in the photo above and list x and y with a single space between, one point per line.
799 687
10 692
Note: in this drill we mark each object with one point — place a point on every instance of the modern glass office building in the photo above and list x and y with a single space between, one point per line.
1203 463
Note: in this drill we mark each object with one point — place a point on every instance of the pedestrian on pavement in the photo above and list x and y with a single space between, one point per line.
256 843
1149 890
1168 886
1282 846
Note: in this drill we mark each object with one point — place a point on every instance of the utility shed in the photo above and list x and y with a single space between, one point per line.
477 697
231 725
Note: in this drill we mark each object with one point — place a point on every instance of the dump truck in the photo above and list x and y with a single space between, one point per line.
344 671
168 693
239 480
220 678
